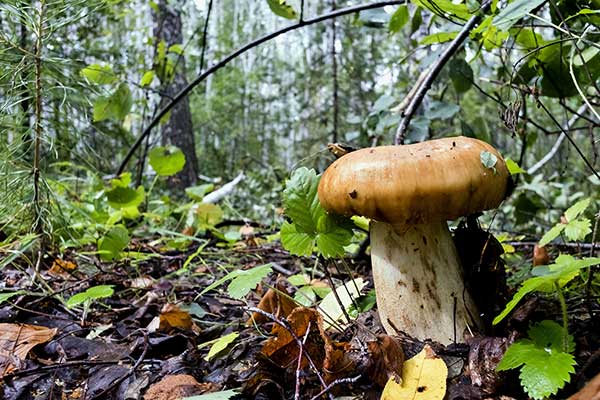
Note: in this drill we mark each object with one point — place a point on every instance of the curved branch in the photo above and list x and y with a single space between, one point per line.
434 71
236 53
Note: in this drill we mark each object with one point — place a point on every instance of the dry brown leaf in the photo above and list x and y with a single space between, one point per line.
386 360
188 230
277 302
540 255
172 317
175 387
591 391
16 340
62 267
283 350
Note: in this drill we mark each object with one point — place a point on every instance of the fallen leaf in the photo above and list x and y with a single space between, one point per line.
330 308
591 391
172 317
423 378
484 355
386 360
174 387
16 340
62 267
277 302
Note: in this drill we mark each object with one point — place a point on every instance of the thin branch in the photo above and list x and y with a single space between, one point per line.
205 35
236 53
435 70
534 168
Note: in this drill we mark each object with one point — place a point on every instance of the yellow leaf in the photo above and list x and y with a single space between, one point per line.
423 378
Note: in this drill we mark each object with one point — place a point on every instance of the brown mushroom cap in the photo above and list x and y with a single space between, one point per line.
440 179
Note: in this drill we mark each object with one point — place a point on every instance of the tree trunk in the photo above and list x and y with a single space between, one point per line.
178 131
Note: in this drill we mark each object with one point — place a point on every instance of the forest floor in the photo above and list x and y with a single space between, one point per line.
151 339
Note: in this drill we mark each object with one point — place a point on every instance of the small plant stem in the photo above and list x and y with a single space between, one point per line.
565 318
38 130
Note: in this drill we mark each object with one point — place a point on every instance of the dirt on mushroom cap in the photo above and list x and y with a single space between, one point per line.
434 180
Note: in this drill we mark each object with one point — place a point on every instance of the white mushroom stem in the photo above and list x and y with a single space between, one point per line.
419 282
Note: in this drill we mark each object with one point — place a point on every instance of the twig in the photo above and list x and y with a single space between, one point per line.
334 383
297 392
288 328
236 53
205 35
588 284
534 168
434 71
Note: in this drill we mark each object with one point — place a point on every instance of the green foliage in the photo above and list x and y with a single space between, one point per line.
113 242
488 160
6 296
399 18
461 74
513 12
221 344
166 160
308 292
282 8
545 363
242 281
549 278
115 107
575 227
362 304
513 167
311 225
91 294
99 74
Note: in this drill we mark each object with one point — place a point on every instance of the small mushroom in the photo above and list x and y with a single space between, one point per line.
410 192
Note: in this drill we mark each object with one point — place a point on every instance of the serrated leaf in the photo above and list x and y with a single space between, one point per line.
576 209
399 18
166 160
297 243
113 242
561 272
513 12
221 344
282 8
578 229
98 74
300 199
549 334
543 376
552 234
423 378
147 78
513 167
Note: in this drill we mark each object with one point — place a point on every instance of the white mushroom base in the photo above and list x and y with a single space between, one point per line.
419 282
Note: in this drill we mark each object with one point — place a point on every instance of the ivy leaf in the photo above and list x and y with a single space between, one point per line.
545 368
282 8
551 234
98 74
488 160
166 160
578 229
399 18
576 209
561 272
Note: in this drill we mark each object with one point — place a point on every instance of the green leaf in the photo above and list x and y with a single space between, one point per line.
93 293
115 107
282 8
298 280
242 281
198 192
125 197
442 110
552 234
113 242
527 38
399 19
177 49
416 20
461 74
488 160
147 78
221 345
549 334
305 296
445 8
440 37
561 272
301 201
6 296
297 243
513 12
513 167
208 215
166 160
576 209
222 395
578 229
98 74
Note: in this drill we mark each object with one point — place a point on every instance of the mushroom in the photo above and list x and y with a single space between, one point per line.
409 192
